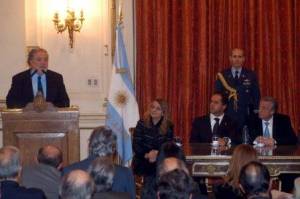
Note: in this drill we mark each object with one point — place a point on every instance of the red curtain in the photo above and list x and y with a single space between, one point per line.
182 44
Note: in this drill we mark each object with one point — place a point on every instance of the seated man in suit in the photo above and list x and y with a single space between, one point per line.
76 185
271 128
102 171
215 123
10 170
102 143
38 78
46 174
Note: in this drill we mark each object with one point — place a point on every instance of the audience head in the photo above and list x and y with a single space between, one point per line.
242 155
218 104
176 184
102 142
157 110
10 163
50 155
170 149
237 58
255 180
102 171
267 107
38 59
76 185
170 164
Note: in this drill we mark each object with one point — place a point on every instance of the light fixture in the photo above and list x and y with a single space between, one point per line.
71 23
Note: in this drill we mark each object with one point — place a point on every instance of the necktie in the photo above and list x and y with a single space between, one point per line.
236 77
40 87
267 132
216 126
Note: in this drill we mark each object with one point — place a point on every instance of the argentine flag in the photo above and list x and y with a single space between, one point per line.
122 108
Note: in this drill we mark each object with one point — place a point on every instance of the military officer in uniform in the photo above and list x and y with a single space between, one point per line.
241 87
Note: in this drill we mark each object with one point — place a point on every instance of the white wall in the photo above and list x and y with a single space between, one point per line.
29 23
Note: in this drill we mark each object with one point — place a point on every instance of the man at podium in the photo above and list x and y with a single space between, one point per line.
38 78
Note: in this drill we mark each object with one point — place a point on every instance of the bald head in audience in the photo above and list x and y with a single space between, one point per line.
170 164
77 185
255 180
10 164
50 155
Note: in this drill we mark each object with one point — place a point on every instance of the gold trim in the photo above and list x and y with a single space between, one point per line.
232 91
206 157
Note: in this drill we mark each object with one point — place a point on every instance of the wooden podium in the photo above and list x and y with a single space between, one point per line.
38 125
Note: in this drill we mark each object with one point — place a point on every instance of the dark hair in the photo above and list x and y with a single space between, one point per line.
224 98
170 149
175 184
102 171
76 185
254 178
33 52
102 142
272 100
48 158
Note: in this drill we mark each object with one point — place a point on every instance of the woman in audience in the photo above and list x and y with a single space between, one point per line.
242 155
150 133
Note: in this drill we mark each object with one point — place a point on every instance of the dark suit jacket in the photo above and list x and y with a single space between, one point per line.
111 195
44 177
202 133
12 190
248 94
283 131
123 180
21 91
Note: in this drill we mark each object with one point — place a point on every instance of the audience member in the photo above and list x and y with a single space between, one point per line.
170 149
171 164
242 155
215 124
150 133
176 184
10 170
255 181
102 171
240 86
76 185
102 143
45 174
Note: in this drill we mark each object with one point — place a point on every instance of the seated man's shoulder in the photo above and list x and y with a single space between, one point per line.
33 193
281 116
121 170
81 165
200 118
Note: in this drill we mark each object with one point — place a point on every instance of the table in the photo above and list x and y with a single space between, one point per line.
206 161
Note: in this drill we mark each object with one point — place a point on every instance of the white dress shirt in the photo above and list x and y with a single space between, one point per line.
213 121
270 126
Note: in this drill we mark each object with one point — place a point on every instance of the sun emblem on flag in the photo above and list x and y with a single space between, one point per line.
121 98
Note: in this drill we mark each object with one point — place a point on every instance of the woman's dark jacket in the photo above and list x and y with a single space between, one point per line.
146 139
